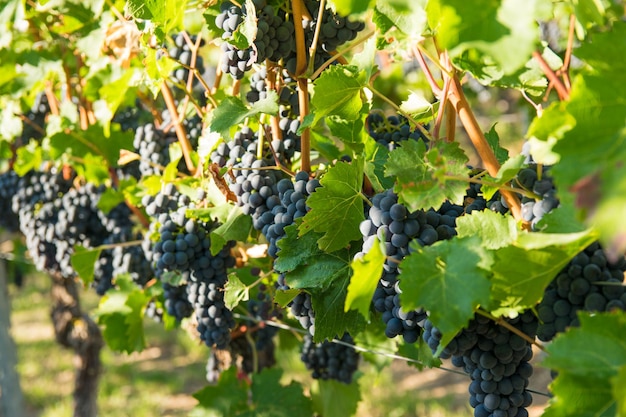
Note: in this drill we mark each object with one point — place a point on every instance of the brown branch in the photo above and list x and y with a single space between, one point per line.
554 79
297 7
450 122
568 52
76 330
178 126
426 70
305 139
52 99
475 133
271 86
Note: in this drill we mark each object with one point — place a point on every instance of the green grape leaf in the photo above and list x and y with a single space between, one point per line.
586 359
340 93
366 59
235 292
408 16
427 178
228 398
295 250
347 7
350 132
120 312
166 15
110 199
494 143
266 388
93 141
523 270
284 297
83 261
503 32
330 318
376 157
235 227
366 273
603 46
336 207
338 399
324 275
581 396
494 230
232 111
618 382
28 157
592 170
449 279
506 173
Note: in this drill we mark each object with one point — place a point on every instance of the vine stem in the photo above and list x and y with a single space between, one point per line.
178 126
316 36
271 85
458 100
501 322
305 139
297 8
568 52
560 88
426 70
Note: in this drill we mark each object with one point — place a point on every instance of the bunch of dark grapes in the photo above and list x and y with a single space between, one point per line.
533 209
121 259
179 245
256 188
393 224
285 208
497 361
274 39
329 360
392 130
9 183
152 145
589 282
34 203
335 30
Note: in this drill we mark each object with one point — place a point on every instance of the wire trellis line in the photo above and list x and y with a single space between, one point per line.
375 351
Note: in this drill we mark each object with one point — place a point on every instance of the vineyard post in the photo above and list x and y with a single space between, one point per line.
11 399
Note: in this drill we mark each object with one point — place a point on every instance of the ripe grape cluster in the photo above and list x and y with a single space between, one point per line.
181 246
497 361
274 39
329 360
536 178
589 282
392 130
335 30
392 224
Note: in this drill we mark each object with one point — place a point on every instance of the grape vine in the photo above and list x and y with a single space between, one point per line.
289 176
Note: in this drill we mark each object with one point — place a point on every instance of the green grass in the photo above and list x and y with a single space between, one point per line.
160 380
